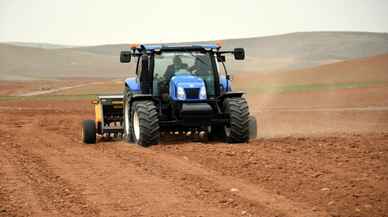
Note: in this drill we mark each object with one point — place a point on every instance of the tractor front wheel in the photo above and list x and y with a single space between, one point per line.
237 130
145 123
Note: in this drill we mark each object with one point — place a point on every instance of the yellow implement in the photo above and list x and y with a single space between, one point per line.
108 118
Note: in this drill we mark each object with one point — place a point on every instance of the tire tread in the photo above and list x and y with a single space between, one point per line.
89 131
149 123
238 111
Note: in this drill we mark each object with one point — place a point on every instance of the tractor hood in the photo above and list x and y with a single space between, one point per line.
187 88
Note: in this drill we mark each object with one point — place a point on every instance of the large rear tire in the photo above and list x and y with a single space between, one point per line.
145 123
89 132
237 131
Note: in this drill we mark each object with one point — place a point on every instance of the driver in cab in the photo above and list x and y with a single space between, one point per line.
174 67
200 67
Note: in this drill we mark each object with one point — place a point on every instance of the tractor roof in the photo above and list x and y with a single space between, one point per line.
170 47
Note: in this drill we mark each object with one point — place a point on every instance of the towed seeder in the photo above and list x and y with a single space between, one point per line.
108 121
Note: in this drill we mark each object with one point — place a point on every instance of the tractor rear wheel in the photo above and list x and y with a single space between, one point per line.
89 132
237 130
145 123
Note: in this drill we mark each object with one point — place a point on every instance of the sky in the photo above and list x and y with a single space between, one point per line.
91 22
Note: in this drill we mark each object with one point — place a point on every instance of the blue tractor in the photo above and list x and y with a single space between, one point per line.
179 89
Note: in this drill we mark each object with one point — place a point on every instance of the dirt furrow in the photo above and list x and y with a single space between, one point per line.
117 189
54 195
328 173
221 191
16 196
196 181
45 170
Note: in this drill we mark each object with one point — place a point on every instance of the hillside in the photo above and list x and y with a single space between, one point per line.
290 51
27 63
364 72
38 45
370 71
264 54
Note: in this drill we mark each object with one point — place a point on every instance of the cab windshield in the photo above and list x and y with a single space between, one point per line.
169 64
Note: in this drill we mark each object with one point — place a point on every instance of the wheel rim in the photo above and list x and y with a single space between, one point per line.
126 119
136 127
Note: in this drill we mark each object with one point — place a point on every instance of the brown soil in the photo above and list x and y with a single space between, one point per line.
320 153
357 110
309 169
17 88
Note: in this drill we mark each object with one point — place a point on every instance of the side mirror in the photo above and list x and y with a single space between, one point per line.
239 53
125 56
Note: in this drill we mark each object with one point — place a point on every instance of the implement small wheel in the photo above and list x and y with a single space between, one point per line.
89 132
237 131
145 123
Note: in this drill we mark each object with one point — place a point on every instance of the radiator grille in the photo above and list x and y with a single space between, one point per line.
192 93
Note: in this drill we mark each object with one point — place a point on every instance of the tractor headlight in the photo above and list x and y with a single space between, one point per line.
181 95
202 93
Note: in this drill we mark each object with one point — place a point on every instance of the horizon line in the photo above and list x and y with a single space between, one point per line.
171 42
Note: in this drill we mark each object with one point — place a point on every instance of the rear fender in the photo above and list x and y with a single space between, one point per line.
141 97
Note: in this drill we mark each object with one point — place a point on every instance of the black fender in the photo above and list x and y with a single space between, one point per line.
133 97
226 95
237 94
140 97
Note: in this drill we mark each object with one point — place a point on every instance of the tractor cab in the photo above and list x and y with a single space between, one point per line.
157 66
183 76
